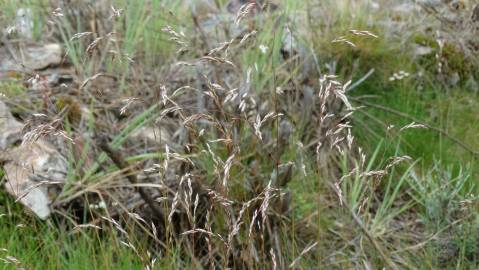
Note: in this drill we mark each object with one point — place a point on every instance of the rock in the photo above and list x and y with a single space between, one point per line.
430 3
149 134
203 8
475 14
37 58
212 20
406 8
419 50
33 58
10 128
24 23
29 170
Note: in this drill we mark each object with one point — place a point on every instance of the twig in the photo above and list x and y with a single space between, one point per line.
412 118
120 162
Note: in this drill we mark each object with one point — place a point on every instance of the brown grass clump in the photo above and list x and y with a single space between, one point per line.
195 158
218 140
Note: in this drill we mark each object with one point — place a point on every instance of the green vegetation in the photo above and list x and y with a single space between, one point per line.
275 184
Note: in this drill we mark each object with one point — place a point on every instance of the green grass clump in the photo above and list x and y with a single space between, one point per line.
12 89
39 245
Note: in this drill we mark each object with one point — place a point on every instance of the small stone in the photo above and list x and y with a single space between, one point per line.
10 128
30 170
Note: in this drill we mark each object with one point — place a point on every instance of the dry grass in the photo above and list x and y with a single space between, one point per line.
219 141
